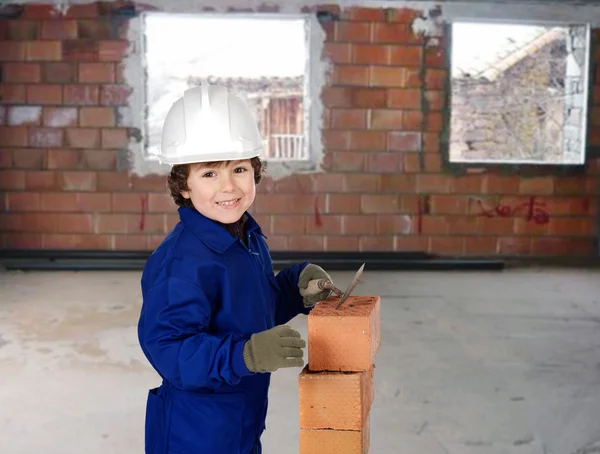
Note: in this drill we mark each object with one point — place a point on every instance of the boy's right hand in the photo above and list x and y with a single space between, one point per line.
273 349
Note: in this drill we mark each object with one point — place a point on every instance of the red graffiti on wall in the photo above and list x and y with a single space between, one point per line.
143 211
531 210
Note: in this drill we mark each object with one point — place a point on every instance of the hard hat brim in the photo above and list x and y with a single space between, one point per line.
208 157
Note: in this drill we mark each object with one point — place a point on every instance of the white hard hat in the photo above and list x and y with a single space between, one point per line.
208 123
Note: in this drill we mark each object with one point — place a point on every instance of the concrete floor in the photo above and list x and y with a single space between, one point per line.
486 363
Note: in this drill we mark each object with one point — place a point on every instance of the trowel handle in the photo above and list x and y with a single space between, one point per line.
316 286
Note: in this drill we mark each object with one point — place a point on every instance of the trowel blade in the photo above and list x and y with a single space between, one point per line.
351 286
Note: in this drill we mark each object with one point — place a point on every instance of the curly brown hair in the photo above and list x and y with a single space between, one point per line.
177 179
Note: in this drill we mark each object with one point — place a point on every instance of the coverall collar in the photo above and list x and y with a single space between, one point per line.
210 232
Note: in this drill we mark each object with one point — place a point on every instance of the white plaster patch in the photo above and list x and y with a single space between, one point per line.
61 118
406 224
22 115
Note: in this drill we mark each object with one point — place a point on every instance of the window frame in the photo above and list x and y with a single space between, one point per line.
521 168
142 164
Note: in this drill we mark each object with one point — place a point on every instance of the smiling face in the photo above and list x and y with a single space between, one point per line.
223 191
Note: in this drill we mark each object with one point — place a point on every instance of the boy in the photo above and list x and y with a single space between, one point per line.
213 317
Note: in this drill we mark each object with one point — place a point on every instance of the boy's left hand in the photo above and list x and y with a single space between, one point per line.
312 272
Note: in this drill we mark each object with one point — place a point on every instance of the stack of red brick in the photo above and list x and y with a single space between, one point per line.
336 387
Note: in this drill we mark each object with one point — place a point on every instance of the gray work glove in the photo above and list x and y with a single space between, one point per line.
274 348
309 273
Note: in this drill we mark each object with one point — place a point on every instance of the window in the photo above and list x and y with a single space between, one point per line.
264 58
519 93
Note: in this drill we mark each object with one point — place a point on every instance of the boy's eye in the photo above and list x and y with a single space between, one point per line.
240 170
208 174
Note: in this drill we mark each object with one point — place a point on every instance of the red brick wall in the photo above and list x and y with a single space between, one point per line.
384 189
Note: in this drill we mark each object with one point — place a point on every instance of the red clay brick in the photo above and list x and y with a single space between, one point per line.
78 181
337 139
44 51
63 159
97 73
352 32
44 94
388 76
369 54
348 118
390 183
13 94
59 29
351 75
114 182
367 140
538 185
81 11
405 55
412 120
394 33
447 245
404 141
367 14
23 201
58 72
29 158
99 159
12 179
12 51
387 119
335 441
333 400
358 225
22 30
22 73
368 97
391 162
344 339
82 138
161 203
341 243
13 136
375 243
403 98
337 52
75 223
39 12
78 241
93 202
114 51
81 95
343 203
363 183
306 242
402 15
114 138
96 117
80 50
433 183
336 96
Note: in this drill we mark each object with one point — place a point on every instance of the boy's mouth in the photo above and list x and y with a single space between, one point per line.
228 203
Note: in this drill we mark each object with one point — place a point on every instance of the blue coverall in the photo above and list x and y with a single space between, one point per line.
204 294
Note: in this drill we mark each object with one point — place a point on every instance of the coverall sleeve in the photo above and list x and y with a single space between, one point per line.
172 331
289 300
